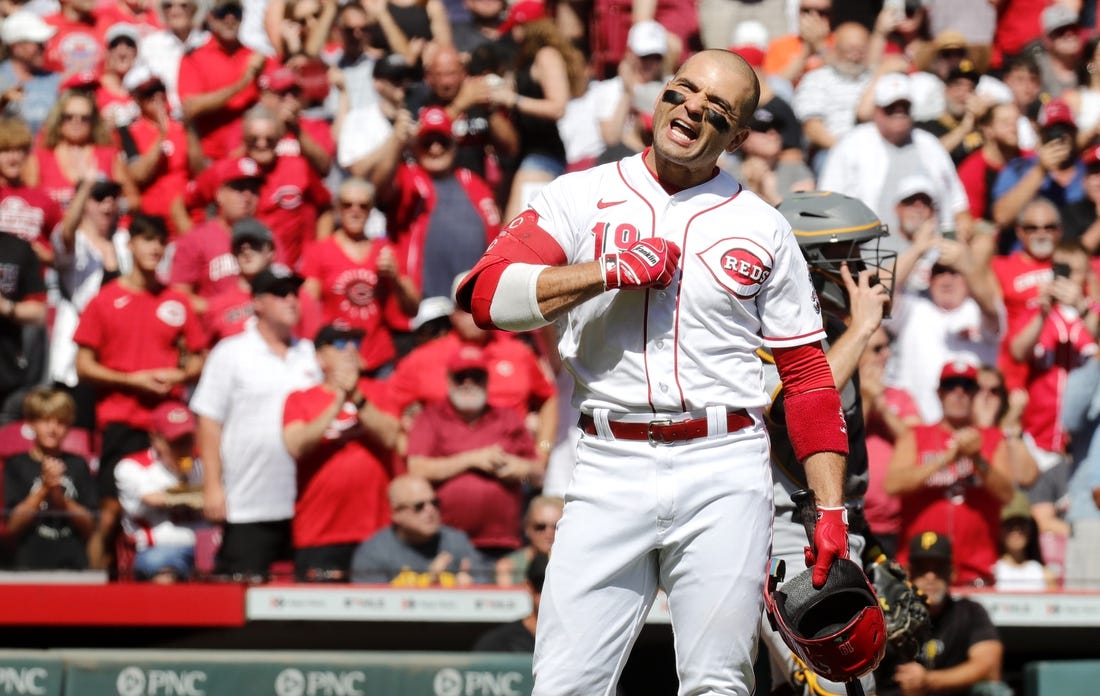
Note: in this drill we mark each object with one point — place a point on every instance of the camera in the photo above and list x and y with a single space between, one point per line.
1061 270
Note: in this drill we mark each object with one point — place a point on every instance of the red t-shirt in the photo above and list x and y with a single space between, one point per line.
58 186
1063 346
169 180
517 380
226 314
1019 277
28 213
953 502
881 509
204 260
132 331
977 175
342 482
486 508
207 69
1018 23
352 290
76 47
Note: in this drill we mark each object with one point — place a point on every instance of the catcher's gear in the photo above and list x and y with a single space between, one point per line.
649 263
833 229
905 608
839 630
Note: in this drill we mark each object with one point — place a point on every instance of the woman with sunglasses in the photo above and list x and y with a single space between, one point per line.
77 145
357 278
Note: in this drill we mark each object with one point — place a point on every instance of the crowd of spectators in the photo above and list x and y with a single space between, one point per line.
231 231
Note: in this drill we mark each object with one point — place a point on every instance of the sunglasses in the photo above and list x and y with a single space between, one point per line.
243 185
254 140
1050 227
83 118
917 198
361 205
342 343
418 507
226 11
953 383
427 141
897 108
283 291
477 376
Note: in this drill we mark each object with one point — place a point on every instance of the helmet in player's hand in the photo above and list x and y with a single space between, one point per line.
833 229
838 631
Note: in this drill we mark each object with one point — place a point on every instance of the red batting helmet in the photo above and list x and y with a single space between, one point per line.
839 631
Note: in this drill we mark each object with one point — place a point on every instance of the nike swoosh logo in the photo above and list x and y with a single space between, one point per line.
601 204
121 302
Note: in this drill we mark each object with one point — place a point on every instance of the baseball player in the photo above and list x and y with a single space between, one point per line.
839 237
663 276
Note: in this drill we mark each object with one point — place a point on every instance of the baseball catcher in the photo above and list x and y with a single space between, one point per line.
839 237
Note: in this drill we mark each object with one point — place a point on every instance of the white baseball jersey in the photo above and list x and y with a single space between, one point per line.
742 283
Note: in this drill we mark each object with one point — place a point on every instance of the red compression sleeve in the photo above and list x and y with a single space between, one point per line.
815 419
522 241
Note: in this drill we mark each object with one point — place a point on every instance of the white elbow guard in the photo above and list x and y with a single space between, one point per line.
515 304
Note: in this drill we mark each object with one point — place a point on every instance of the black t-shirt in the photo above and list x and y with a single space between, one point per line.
20 278
962 624
50 542
1077 217
510 638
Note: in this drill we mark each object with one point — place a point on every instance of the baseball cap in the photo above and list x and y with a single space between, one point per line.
930 546
280 79
435 121
121 30
648 38
1055 112
140 79
913 184
172 420
750 33
523 12
753 55
432 308
85 79
104 188
958 370
1091 156
24 25
892 88
337 331
252 231
965 69
949 39
392 67
764 119
468 358
276 279
232 169
1056 17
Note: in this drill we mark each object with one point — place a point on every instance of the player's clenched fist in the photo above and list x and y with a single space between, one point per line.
650 263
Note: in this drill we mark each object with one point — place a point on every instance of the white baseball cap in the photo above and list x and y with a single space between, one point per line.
648 38
913 184
891 88
432 308
24 25
139 77
121 30
750 33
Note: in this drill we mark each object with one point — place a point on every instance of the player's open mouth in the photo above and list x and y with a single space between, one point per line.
682 131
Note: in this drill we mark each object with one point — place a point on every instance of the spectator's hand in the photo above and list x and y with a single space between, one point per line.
463 578
1066 292
214 503
1052 154
53 471
628 72
968 441
404 127
867 301
1046 298
954 254
475 91
387 263
161 118
13 95
912 679
439 565
888 20
345 371
977 105
925 236
513 468
255 65
150 381
287 113
336 78
486 459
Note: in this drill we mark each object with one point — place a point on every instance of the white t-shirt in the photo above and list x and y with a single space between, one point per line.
363 131
243 387
140 474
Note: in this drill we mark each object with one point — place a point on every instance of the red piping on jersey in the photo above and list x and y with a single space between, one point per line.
679 290
645 320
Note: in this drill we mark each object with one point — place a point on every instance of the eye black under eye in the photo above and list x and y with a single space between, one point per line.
673 97
717 121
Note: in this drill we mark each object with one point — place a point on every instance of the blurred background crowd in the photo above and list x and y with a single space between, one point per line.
232 230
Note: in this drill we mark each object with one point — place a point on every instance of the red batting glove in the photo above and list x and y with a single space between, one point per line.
830 540
650 263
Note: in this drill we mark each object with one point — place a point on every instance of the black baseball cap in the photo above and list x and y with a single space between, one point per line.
393 68
105 188
252 231
276 280
930 546
337 331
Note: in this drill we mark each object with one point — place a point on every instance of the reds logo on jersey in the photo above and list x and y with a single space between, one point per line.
288 197
740 265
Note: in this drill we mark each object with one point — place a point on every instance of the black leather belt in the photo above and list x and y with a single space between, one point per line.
663 430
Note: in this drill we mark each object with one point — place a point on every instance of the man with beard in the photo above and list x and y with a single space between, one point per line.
1054 172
